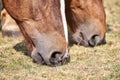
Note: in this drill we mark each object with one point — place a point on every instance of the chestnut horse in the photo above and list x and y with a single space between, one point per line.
86 21
42 23
9 26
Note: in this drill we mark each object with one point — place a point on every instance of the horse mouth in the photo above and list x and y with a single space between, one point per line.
88 42
56 61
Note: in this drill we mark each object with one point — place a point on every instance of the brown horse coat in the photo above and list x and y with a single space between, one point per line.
87 21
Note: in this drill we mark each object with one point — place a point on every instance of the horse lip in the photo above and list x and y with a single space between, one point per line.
65 58
61 61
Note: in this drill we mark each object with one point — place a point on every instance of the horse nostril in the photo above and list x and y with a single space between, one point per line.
55 57
95 40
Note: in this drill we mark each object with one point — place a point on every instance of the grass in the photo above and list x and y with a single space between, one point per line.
98 63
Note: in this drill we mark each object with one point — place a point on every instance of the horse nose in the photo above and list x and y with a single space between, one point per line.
57 58
96 40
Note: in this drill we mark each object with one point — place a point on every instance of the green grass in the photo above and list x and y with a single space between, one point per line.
98 63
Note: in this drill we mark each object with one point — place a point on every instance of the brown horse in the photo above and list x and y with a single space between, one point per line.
87 21
41 23
9 26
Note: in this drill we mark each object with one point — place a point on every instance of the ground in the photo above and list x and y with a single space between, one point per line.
98 63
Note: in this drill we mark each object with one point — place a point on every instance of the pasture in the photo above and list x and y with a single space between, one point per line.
97 63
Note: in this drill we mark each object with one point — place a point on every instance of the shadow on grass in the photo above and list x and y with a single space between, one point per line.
22 48
108 28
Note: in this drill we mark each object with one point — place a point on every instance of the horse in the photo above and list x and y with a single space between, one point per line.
86 21
9 26
43 25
